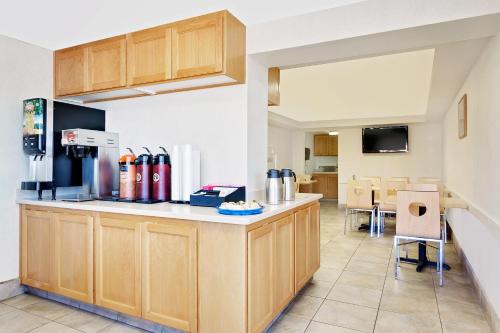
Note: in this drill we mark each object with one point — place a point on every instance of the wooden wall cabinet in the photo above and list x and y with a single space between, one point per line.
326 184
273 83
149 55
325 145
107 64
37 264
70 66
197 46
209 50
169 275
74 256
118 264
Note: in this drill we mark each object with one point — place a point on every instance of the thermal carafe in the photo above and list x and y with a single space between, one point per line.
274 187
128 174
289 180
144 176
161 176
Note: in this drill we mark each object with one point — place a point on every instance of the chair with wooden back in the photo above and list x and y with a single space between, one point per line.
376 185
417 220
387 204
402 179
435 183
359 199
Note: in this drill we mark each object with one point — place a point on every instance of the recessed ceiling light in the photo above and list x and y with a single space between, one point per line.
333 133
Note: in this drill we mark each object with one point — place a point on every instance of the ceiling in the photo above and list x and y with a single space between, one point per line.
385 86
405 87
56 24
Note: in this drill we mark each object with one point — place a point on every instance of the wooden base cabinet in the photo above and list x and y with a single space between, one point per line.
261 277
118 264
169 275
189 275
74 256
37 264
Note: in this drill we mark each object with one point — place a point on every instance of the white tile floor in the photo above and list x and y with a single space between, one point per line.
354 291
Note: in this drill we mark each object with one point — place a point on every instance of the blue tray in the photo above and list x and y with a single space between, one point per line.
240 212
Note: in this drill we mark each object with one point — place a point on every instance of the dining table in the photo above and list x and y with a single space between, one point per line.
448 200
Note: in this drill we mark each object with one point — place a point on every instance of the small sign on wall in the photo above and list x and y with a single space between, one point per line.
462 117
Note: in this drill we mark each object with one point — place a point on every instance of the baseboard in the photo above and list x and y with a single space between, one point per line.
142 324
10 289
490 313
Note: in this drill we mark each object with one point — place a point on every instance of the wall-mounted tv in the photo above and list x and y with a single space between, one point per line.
391 139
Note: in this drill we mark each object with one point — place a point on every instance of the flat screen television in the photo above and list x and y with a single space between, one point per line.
392 139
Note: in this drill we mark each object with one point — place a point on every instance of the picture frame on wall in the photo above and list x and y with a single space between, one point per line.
462 117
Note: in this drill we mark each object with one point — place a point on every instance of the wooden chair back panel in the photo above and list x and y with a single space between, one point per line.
359 194
409 222
388 194
400 179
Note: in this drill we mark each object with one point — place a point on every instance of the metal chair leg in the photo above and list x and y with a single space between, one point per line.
379 221
372 225
441 260
396 257
345 221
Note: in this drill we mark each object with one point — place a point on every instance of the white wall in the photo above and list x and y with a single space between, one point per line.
288 144
25 72
212 120
424 158
472 170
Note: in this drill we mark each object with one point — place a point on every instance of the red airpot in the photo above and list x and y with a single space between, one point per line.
161 176
144 176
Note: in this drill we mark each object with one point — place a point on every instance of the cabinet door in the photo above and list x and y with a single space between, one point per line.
260 278
197 46
37 249
320 145
320 185
74 256
107 64
69 71
301 248
332 145
332 187
169 275
273 86
149 56
118 264
285 287
313 240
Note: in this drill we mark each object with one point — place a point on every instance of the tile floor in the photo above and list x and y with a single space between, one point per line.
354 291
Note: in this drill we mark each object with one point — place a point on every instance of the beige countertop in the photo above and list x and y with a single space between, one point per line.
177 211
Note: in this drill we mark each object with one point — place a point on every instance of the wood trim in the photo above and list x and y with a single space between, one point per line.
279 216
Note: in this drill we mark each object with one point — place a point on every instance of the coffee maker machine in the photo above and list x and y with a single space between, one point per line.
99 155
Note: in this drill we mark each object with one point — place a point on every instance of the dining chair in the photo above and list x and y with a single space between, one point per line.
417 221
359 199
434 183
387 204
400 179
375 181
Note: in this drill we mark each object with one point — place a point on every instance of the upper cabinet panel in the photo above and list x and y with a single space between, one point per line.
200 52
107 64
149 56
69 67
197 46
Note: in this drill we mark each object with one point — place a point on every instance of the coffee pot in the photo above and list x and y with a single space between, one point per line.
274 187
289 179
